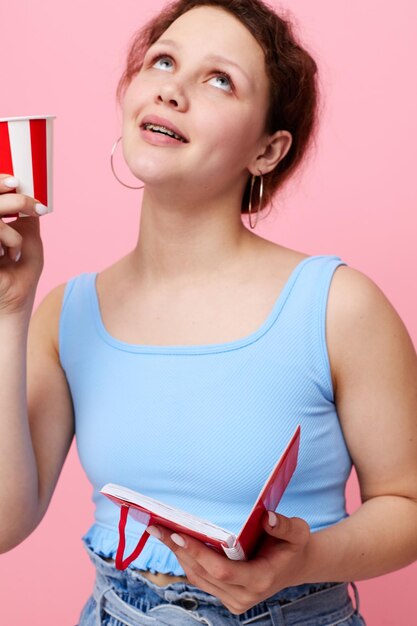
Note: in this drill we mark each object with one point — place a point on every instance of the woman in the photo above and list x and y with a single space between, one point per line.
186 364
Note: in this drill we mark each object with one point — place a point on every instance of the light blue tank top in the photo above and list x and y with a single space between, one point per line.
200 427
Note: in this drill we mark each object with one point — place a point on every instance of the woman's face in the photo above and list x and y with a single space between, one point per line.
184 81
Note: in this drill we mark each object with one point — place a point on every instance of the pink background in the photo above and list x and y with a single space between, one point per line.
356 199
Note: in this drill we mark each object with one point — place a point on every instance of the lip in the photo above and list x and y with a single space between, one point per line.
161 121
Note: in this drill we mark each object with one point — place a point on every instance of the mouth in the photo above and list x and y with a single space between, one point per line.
162 127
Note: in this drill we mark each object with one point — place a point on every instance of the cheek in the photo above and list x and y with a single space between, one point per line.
135 95
234 134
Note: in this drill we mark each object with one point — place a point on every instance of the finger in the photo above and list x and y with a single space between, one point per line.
11 239
236 598
8 183
19 203
235 583
205 562
293 530
232 597
23 233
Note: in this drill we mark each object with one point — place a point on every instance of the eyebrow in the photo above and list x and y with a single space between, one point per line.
211 57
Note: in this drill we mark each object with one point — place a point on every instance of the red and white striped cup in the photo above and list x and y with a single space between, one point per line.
26 152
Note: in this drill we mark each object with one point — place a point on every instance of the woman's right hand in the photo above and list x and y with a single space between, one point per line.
21 263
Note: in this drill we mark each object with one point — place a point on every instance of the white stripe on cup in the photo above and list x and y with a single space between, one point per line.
22 155
21 150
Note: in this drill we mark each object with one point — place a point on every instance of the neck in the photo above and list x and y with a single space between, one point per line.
189 240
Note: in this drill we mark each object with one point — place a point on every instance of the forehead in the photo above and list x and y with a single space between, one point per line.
207 30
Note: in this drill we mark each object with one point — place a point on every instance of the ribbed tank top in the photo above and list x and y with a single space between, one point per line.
200 427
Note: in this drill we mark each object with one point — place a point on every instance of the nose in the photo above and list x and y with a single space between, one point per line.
171 93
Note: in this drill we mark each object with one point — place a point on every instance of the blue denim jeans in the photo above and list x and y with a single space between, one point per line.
126 598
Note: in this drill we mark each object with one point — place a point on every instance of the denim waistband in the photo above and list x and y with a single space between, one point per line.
291 604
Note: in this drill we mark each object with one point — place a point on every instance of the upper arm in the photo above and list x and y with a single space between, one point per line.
374 364
49 400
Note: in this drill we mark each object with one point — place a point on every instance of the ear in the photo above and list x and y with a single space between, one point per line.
273 151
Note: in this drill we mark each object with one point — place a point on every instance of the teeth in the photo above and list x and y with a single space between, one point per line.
164 130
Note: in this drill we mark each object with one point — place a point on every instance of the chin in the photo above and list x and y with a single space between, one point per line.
144 168
156 180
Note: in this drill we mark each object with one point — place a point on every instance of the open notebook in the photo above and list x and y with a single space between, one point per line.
239 547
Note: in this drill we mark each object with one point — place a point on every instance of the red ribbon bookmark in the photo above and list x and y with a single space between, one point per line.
120 562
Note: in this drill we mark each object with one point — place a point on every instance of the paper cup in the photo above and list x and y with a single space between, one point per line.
26 152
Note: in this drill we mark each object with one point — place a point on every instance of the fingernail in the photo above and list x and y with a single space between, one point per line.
272 519
18 255
1 250
154 532
178 540
11 182
41 209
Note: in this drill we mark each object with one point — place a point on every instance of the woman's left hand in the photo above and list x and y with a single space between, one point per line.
242 584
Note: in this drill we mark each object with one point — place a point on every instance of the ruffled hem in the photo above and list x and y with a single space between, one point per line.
155 556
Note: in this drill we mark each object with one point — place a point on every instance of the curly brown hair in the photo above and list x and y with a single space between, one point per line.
292 72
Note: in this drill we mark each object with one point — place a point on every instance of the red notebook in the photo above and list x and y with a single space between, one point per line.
239 547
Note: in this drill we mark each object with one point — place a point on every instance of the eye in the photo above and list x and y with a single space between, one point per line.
226 80
163 58
226 84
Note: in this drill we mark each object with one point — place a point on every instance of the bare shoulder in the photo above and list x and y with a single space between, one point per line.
45 320
360 319
355 300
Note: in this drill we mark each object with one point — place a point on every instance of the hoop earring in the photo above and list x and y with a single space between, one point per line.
112 167
261 193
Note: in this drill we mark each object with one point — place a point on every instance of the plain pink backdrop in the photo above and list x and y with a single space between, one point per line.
356 198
